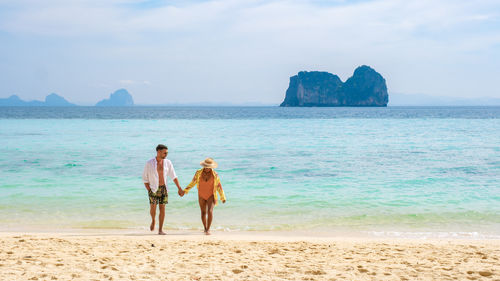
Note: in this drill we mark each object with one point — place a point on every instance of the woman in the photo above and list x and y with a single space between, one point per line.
208 185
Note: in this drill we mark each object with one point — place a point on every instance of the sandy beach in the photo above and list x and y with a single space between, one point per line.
241 256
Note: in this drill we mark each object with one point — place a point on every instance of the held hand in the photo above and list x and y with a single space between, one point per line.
180 192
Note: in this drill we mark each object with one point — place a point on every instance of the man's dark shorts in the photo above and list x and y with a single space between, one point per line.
160 197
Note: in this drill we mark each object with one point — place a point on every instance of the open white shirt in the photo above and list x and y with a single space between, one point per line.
150 174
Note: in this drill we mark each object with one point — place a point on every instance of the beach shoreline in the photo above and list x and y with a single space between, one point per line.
305 234
190 255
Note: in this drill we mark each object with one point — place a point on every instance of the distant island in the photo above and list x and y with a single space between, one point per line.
315 88
120 97
50 100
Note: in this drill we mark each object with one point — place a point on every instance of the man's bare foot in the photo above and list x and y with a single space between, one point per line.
152 226
207 232
161 233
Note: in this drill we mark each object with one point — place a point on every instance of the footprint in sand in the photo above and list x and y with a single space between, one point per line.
485 273
362 270
274 251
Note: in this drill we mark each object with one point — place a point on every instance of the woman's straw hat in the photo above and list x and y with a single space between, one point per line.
209 163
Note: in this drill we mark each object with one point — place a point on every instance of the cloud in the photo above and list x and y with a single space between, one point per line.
133 82
110 16
363 22
221 44
339 25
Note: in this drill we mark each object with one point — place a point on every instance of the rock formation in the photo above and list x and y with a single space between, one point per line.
50 100
56 100
118 98
365 88
12 101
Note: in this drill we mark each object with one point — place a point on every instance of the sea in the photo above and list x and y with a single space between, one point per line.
424 172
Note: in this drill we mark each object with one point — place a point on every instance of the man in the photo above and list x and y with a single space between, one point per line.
155 180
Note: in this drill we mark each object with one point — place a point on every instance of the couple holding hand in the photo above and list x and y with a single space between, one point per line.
155 175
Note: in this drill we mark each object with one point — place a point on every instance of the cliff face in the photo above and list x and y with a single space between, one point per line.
365 88
119 98
313 88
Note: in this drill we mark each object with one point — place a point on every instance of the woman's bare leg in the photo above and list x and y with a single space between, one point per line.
203 209
210 209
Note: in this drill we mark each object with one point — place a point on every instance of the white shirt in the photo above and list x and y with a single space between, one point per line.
150 174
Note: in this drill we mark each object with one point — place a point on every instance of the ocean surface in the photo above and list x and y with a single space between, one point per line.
395 171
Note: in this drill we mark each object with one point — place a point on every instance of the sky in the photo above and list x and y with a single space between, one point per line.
243 51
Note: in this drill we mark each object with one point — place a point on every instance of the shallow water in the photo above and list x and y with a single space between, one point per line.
371 174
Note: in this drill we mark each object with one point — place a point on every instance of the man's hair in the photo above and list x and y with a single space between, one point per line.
161 147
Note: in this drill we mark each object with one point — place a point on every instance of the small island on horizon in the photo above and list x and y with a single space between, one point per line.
366 88
50 100
316 88
120 97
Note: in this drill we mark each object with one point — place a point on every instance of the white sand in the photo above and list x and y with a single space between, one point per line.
241 256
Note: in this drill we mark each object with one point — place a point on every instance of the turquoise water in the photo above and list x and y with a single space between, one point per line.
375 175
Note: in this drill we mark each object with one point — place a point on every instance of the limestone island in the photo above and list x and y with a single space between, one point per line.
50 100
120 97
366 87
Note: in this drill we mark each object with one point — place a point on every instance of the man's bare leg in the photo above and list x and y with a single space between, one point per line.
162 218
203 209
210 208
152 212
